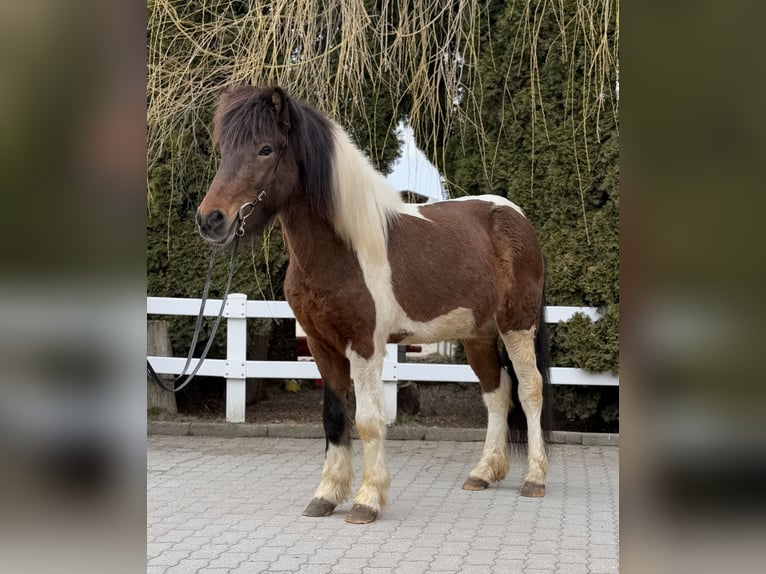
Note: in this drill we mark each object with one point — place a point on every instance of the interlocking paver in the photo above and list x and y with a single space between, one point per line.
350 565
480 557
217 504
322 556
388 559
541 561
362 551
544 546
398 546
572 568
454 548
513 552
575 541
287 563
229 560
430 540
412 567
573 556
600 565
487 543
452 563
168 558
252 567
187 565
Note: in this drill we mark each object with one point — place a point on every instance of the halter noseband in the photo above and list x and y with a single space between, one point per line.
251 204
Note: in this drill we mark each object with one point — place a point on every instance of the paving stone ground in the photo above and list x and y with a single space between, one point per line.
233 505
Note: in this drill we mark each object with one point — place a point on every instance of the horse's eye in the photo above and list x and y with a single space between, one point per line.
265 150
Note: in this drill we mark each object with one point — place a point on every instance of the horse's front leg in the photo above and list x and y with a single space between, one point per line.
337 473
371 426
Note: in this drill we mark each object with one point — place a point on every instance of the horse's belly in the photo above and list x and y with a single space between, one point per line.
457 324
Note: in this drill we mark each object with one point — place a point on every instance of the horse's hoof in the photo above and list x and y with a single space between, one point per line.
361 514
533 490
472 483
319 507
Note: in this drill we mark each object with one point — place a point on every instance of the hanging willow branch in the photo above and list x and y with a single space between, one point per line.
421 54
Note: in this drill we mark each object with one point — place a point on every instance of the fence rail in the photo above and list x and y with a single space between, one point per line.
236 368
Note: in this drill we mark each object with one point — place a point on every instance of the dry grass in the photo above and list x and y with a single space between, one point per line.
331 52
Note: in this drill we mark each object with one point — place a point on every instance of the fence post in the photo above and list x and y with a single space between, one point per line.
390 379
236 348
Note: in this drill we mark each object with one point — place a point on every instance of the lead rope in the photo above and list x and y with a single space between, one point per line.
153 374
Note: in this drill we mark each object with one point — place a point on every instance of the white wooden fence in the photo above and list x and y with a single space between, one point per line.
236 368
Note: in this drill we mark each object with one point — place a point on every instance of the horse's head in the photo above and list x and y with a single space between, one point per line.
257 172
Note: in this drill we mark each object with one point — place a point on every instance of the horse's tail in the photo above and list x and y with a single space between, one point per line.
517 420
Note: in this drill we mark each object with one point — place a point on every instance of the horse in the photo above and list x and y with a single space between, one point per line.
366 269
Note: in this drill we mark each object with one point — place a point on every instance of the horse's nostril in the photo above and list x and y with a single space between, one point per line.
212 224
215 218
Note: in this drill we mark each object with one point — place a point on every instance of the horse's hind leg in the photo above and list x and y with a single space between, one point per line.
335 485
521 350
496 393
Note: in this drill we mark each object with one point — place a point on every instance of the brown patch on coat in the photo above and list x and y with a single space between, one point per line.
472 254
334 367
482 355
324 283
444 262
521 270
398 336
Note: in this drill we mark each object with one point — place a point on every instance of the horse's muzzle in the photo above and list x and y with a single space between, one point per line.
214 226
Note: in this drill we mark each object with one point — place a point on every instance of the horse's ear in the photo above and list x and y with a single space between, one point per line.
221 96
225 95
281 105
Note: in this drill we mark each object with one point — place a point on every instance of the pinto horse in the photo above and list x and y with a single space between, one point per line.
367 269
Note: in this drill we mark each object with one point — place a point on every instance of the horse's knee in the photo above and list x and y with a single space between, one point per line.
370 414
370 428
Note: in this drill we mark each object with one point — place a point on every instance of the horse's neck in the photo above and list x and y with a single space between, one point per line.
312 242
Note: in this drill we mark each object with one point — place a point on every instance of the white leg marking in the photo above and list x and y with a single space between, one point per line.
371 425
493 465
521 349
337 474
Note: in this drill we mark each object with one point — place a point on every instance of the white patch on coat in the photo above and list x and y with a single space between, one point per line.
496 199
365 203
413 210
495 457
337 474
366 373
457 324
521 350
